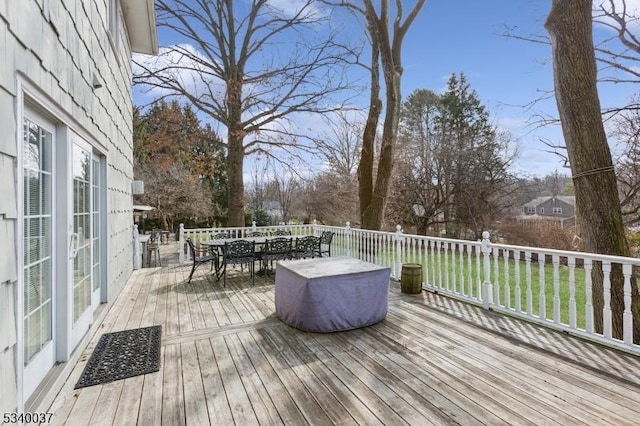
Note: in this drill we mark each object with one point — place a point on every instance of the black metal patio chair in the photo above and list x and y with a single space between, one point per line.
252 234
197 260
276 249
325 243
280 232
239 252
306 247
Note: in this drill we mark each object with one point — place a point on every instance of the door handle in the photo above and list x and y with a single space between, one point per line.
73 250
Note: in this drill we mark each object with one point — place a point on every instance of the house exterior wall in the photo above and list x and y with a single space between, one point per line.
544 207
52 51
567 209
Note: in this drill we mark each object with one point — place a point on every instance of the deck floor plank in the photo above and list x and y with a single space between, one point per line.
227 359
237 395
217 403
194 397
521 367
284 404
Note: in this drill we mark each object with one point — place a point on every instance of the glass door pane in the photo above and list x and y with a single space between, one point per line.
96 267
37 263
82 231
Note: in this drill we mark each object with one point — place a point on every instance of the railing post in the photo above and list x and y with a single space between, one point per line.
347 240
314 223
136 248
397 264
181 244
485 248
253 226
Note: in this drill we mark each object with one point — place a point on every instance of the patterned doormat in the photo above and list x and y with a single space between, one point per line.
123 354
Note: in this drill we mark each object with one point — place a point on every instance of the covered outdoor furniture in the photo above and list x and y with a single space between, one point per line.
305 247
331 293
239 252
276 249
197 260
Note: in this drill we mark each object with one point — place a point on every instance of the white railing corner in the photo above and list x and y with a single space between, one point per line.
254 228
181 244
486 249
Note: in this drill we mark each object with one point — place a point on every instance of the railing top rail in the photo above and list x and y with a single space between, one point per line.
546 251
568 253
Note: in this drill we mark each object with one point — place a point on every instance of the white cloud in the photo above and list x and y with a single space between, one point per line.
183 63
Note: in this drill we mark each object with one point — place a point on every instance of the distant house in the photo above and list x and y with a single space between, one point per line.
273 209
558 208
66 171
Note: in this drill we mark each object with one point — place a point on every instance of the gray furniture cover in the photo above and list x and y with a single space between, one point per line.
331 293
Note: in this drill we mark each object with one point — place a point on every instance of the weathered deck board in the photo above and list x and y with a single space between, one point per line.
227 359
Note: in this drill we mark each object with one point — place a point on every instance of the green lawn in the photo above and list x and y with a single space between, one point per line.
385 256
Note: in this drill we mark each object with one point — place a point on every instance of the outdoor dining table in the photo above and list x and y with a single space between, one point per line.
331 293
218 244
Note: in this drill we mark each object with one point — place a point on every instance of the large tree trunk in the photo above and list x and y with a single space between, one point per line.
235 154
388 47
597 205
367 157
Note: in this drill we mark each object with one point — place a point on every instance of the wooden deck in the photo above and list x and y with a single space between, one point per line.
227 359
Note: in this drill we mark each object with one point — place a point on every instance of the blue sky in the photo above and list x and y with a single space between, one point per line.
467 36
508 74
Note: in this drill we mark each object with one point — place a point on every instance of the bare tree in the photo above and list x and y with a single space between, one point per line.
627 131
597 204
251 67
386 47
340 144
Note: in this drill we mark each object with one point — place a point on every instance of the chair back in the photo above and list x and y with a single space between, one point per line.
154 239
278 232
326 237
277 249
239 251
255 234
307 246
192 248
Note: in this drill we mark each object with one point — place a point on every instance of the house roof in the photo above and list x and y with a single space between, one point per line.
140 19
568 199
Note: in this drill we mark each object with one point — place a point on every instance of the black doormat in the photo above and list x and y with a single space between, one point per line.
123 354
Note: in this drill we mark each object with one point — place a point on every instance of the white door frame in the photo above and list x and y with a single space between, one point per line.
77 328
39 366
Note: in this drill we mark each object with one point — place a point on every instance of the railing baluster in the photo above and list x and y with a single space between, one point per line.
529 291
542 305
555 260
516 271
588 289
606 310
453 268
478 273
496 276
439 251
446 266
571 262
627 316
461 266
507 281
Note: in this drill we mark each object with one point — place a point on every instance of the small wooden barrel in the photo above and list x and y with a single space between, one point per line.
411 278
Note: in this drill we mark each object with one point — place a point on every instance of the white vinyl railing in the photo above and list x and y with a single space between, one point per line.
550 287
